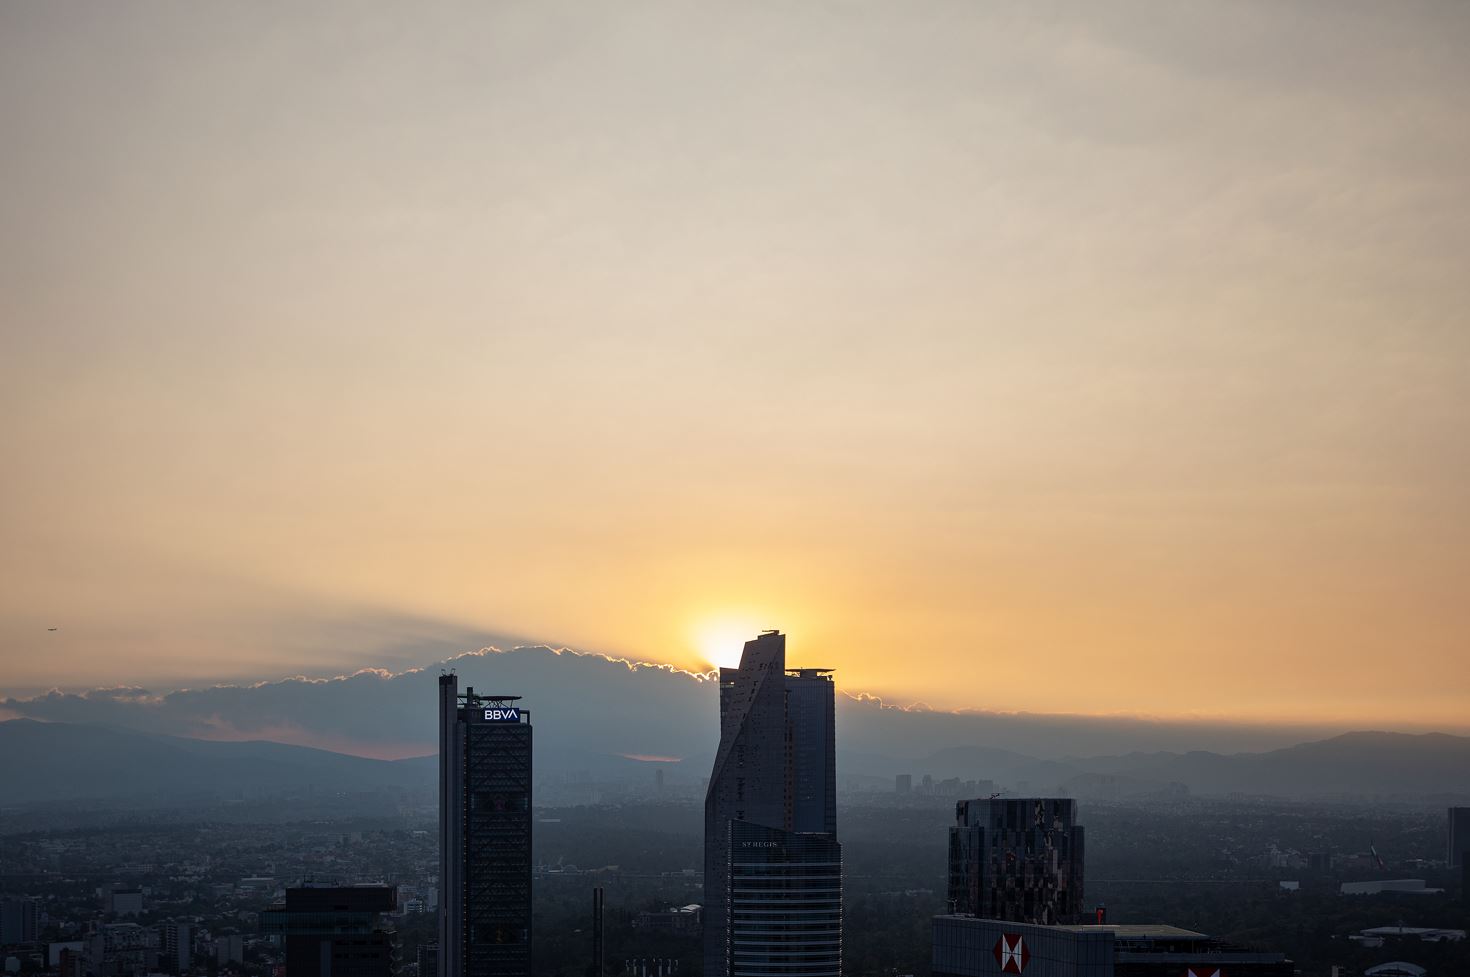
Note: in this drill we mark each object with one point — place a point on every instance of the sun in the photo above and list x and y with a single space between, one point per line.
720 641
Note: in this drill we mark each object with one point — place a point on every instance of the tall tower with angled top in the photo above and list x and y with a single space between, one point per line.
772 864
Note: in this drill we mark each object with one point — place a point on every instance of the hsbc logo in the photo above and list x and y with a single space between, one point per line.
1012 953
1204 972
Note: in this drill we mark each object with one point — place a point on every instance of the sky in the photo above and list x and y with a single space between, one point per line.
1066 358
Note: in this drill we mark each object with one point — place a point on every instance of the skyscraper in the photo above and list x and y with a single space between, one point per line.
18 921
1017 859
175 947
772 864
484 834
1458 854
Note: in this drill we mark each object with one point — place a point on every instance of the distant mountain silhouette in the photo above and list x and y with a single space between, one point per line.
1354 763
63 761
66 761
585 702
612 719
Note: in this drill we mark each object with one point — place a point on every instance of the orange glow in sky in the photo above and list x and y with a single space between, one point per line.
1035 358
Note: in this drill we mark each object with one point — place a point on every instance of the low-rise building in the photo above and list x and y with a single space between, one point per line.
970 946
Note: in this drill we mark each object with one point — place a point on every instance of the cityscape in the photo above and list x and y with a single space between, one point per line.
734 488
767 870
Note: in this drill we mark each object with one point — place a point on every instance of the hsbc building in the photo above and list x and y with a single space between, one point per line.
970 946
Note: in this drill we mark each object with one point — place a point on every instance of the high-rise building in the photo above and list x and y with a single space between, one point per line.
427 958
229 948
335 931
772 864
1016 859
484 834
121 950
1458 854
18 921
175 947
903 783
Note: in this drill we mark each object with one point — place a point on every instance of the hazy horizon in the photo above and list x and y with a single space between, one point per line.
382 713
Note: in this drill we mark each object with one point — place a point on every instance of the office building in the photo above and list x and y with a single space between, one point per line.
175 948
335 931
427 959
1459 846
123 900
71 962
229 949
484 834
970 946
18 921
903 784
772 863
1018 859
121 950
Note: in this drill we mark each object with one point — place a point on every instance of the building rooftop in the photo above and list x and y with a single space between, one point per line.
1138 931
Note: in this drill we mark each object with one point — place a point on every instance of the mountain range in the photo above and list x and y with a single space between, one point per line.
610 719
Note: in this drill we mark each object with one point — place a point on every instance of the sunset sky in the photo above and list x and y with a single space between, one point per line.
1030 356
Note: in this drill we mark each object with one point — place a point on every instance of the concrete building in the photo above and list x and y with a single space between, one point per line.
970 946
18 921
124 900
1412 887
1458 849
675 919
175 947
335 931
484 834
772 863
1017 858
228 949
122 950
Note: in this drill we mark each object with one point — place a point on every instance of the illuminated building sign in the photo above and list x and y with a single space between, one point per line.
502 714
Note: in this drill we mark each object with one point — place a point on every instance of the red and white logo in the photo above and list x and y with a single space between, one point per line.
1204 972
1012 953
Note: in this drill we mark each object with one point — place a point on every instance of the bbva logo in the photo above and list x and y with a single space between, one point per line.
510 714
1012 953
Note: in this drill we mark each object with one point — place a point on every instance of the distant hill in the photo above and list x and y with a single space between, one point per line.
42 762
614 720
65 761
1360 763
602 707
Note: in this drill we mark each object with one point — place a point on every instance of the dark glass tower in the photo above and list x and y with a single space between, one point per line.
484 834
772 864
1017 859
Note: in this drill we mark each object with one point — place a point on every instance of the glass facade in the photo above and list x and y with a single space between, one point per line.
1018 859
485 835
785 903
775 773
